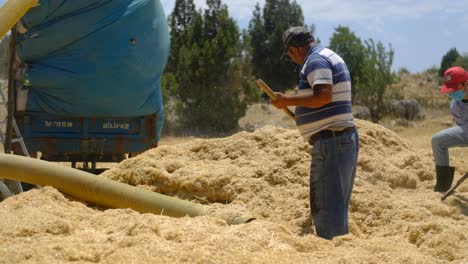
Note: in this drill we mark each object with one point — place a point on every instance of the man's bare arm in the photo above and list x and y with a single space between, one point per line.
322 95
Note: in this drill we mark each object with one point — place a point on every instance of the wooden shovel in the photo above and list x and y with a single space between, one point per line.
273 97
451 190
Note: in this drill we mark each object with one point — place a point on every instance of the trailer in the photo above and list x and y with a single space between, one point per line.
85 139
85 79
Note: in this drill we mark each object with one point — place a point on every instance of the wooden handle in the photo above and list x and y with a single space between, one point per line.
273 96
449 192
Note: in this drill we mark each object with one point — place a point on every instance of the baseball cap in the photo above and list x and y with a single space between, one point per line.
452 77
296 36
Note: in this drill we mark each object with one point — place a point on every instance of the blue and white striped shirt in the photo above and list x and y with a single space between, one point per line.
323 66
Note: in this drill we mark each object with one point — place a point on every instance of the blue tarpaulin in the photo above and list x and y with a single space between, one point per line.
95 58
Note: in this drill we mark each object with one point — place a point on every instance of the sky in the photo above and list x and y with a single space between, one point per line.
420 32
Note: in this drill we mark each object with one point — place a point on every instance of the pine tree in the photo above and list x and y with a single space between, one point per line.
180 22
266 29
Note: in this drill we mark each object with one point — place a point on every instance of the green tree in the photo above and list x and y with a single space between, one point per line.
448 60
346 44
251 92
462 61
266 29
212 97
377 76
180 22
169 89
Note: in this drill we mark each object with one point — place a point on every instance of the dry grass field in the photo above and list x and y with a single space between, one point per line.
394 215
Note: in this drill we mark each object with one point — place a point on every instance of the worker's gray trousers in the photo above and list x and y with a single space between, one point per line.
445 139
332 174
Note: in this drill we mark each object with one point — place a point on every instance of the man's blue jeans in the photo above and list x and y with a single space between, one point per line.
332 173
445 139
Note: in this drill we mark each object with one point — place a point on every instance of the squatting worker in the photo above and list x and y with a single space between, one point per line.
456 85
324 118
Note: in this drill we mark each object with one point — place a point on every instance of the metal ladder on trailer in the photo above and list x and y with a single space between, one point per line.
18 139
9 124
13 186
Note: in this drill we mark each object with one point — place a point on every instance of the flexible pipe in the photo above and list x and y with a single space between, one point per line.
12 11
100 190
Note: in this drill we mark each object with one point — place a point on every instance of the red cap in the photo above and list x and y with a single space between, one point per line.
452 77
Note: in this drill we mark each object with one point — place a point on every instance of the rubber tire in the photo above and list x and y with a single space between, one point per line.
4 192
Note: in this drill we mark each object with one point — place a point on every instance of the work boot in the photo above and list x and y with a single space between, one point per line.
444 178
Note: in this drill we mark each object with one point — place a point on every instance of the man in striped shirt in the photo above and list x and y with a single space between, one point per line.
324 118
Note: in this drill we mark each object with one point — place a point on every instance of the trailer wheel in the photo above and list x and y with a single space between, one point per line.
4 191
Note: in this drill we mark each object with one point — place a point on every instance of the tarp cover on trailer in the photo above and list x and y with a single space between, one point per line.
95 58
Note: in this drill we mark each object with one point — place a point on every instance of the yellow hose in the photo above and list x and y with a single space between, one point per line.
100 190
11 12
